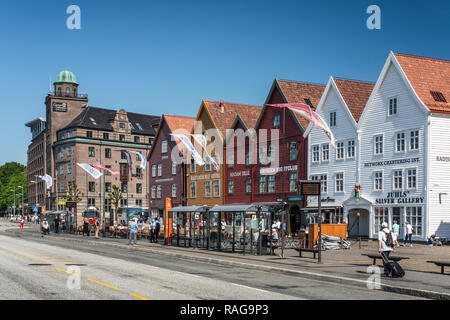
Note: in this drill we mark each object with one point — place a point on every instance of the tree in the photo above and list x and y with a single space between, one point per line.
115 196
12 175
73 194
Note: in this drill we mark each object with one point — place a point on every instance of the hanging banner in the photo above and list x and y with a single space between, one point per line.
99 166
188 144
306 112
92 171
143 159
201 139
130 163
48 180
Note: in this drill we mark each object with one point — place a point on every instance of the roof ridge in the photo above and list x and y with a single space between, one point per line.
353 80
175 116
303 82
228 102
421 57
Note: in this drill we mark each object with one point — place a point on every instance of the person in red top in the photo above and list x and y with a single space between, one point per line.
21 223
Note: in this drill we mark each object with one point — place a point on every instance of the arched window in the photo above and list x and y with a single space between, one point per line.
67 92
59 91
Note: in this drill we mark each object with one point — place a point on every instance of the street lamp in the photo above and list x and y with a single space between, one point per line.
35 188
22 198
14 206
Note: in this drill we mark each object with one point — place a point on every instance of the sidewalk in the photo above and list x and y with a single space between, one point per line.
341 266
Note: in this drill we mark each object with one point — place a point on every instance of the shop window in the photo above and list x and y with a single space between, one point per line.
414 217
381 214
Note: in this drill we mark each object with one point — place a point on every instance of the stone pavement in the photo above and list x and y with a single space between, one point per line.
343 266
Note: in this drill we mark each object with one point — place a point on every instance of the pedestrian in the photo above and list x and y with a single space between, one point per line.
157 229
45 227
132 227
21 223
385 243
85 227
408 233
97 227
152 233
56 224
396 233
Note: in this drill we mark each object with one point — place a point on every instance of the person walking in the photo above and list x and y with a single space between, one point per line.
56 224
21 223
97 227
157 229
85 227
396 233
408 233
132 227
152 231
385 244
45 227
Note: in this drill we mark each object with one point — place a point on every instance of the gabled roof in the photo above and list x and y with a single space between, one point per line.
224 120
355 94
99 119
173 123
426 75
297 92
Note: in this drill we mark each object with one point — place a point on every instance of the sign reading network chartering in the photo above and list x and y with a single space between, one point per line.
391 162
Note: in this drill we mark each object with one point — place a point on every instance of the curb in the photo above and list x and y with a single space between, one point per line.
297 273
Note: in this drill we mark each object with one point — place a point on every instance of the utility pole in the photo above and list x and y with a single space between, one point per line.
14 206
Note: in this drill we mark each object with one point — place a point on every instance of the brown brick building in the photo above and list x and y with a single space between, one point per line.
74 132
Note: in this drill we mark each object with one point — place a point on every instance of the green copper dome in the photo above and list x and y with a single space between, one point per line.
66 76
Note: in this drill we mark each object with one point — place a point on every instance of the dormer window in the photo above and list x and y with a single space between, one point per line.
164 146
392 106
333 119
276 121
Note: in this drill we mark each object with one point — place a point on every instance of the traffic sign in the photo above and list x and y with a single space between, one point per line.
62 202
35 209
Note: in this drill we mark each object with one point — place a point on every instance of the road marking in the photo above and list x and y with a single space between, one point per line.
137 296
103 284
66 271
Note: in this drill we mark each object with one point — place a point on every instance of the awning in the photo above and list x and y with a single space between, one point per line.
240 208
190 209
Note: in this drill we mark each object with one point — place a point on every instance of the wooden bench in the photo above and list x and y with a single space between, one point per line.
441 264
376 256
315 251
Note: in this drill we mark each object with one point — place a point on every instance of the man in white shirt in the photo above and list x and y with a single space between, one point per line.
408 233
383 244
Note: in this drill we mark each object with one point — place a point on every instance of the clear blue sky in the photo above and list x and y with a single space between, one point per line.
165 56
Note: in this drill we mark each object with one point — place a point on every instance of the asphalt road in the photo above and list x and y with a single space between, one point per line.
32 267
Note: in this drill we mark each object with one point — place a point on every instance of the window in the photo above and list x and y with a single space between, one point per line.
216 188
69 168
70 134
154 170
164 146
67 92
293 177
107 153
105 136
333 119
91 201
123 202
293 152
61 169
193 189
276 121
122 125
378 181
61 153
414 216
340 150
158 192
108 187
263 155
91 152
325 152
339 180
392 106
350 149
121 137
192 166
159 170
315 154
123 156
412 178
398 179
139 202
137 139
381 214
400 142
153 192
59 91
138 187
262 184
174 190
69 151
208 189
378 144
248 185
414 140
124 187
174 168
138 172
230 186
230 159
248 157
271 153
91 186
89 134
107 173
271 185
324 183
207 164
62 187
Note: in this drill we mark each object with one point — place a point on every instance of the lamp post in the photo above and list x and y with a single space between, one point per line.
22 198
35 188
14 206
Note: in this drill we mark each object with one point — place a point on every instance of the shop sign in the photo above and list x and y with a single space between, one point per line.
205 177
442 159
163 180
328 199
270 171
398 197
239 174
391 162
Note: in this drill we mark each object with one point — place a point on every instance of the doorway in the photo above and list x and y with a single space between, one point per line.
363 224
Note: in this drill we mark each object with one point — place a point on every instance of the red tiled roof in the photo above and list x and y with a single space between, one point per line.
425 75
178 122
355 94
297 92
224 120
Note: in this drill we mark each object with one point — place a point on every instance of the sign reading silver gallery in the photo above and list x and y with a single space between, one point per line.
399 197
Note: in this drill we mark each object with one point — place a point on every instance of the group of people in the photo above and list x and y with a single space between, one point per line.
133 226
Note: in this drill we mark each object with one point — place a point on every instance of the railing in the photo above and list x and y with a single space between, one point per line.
69 95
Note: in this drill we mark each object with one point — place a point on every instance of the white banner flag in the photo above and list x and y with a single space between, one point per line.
92 171
201 139
143 159
188 144
48 180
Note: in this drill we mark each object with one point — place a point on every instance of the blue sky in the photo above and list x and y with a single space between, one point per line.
165 56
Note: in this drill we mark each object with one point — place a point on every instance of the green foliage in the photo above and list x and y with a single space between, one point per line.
73 194
12 175
115 196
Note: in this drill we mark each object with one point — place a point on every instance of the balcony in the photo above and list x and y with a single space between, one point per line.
69 95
